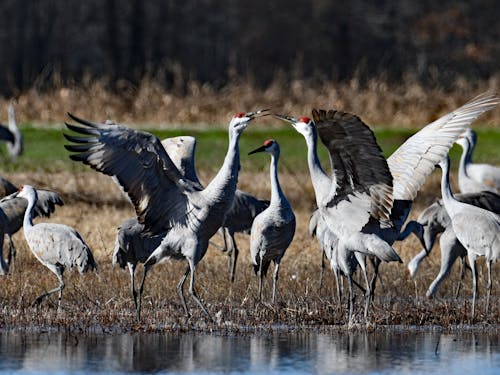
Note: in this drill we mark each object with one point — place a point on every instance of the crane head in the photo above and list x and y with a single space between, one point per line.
304 125
240 120
270 145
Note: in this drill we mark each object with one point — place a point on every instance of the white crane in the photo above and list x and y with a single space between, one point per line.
434 220
482 238
273 229
165 201
12 135
367 199
473 178
56 246
12 210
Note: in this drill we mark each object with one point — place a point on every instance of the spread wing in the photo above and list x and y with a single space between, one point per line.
141 167
181 151
415 159
362 182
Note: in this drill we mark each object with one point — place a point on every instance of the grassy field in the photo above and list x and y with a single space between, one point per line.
95 207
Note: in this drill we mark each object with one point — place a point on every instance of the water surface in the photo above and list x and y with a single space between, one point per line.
360 353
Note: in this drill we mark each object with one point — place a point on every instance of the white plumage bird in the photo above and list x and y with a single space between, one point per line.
477 229
56 246
273 229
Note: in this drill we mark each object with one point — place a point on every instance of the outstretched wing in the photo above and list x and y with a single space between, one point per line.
361 175
181 151
141 167
415 159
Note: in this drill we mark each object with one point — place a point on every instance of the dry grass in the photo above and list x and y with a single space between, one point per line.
102 301
405 103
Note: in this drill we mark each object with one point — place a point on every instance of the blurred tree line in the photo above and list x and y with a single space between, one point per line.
216 41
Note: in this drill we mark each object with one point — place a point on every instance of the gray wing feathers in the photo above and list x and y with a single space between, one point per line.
357 161
46 203
416 158
244 209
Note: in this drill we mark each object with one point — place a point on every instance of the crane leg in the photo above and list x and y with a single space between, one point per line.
350 303
275 280
59 289
131 269
192 290
488 286
322 271
463 267
234 255
337 283
472 263
141 289
261 276
180 291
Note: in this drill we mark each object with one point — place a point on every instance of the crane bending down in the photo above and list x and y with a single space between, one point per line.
434 220
480 239
12 210
165 201
273 229
12 135
56 246
367 199
473 178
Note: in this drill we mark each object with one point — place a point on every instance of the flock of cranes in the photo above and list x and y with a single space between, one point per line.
362 204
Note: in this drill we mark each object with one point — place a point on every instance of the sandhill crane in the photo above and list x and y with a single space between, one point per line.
56 246
273 229
434 220
473 178
12 135
12 210
480 239
165 201
367 199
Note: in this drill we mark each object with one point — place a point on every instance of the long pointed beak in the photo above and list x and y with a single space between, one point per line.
286 118
260 149
259 113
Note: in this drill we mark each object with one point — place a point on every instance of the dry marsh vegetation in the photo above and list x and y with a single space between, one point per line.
102 301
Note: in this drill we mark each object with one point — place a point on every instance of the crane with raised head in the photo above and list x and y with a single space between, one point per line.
480 239
165 201
56 246
273 229
473 177
367 198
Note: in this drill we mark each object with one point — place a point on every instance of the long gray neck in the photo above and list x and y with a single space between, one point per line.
465 158
320 180
448 198
223 185
277 195
28 214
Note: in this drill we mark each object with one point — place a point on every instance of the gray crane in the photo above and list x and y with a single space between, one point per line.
165 201
472 177
56 246
7 187
273 229
480 239
12 135
12 210
367 199
434 220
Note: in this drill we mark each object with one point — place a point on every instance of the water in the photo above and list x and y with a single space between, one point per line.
278 353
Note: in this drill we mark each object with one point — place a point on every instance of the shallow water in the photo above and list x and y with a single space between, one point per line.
278 353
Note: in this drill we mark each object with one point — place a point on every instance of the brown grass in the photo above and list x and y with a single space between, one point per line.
405 103
102 301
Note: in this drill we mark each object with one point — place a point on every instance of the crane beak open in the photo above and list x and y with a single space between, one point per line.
259 113
260 149
286 118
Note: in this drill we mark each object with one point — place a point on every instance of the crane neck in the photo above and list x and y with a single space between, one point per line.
465 158
277 195
223 185
448 198
320 180
28 214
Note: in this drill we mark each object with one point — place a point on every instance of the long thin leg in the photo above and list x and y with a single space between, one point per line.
261 276
234 254
362 264
350 303
488 287
180 291
337 283
463 267
323 256
131 269
141 289
275 280
59 289
472 263
192 290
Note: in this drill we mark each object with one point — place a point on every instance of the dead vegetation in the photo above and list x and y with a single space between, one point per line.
102 301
